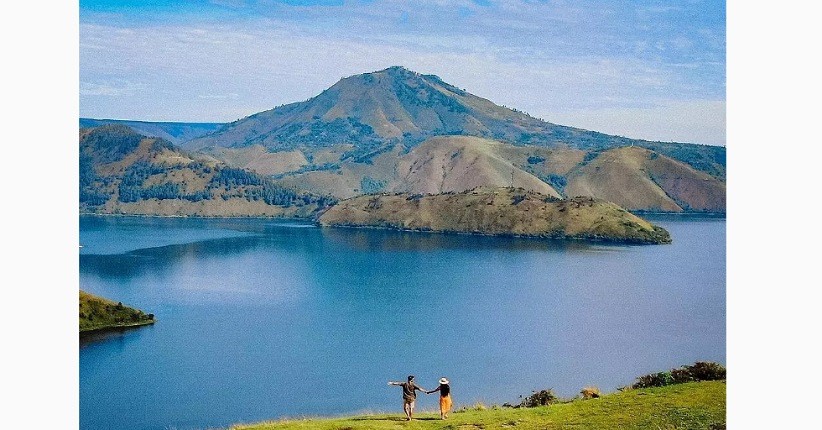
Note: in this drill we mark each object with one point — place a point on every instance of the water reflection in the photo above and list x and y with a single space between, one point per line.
387 240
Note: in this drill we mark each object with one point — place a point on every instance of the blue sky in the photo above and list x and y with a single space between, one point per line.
650 69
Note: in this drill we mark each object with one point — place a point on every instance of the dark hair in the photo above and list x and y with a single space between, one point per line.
410 377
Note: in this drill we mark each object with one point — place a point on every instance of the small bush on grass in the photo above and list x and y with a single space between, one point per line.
707 371
539 398
699 371
590 393
659 379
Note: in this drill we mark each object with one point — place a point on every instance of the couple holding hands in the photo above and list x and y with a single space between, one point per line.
409 396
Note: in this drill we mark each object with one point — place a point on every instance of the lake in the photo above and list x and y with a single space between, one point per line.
259 319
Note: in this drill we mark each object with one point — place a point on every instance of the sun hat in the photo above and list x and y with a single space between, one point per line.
443 380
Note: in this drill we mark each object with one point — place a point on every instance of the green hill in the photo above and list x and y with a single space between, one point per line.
123 172
692 406
97 313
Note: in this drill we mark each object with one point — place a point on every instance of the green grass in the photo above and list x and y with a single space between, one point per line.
694 405
97 313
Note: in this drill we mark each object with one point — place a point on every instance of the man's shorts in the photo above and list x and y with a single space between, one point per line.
409 402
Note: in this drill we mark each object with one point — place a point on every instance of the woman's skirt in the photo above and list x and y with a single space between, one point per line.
445 403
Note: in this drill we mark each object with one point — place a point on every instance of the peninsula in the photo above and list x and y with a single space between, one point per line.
98 314
502 211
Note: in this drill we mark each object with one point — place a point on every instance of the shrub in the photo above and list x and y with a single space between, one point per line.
659 379
699 371
539 398
369 185
517 199
535 159
707 371
590 393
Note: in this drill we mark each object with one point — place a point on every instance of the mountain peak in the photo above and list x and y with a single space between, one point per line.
396 69
399 74
372 112
384 107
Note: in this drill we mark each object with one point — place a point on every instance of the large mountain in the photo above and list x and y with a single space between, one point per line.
371 112
395 130
124 172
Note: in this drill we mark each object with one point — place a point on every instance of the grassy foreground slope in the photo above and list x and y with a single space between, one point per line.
694 405
97 313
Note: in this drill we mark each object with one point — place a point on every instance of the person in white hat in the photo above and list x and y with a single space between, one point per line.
445 397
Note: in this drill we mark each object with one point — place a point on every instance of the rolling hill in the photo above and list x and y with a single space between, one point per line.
123 172
496 211
635 178
639 179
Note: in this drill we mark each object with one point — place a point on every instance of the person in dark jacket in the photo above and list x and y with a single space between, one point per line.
445 397
409 395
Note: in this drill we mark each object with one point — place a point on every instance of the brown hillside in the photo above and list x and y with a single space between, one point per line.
692 190
496 211
633 177
256 158
459 163
440 164
638 179
233 207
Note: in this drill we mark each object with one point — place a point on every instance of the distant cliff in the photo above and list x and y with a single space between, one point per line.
497 211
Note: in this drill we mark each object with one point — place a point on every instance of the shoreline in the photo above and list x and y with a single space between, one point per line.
722 215
262 217
571 239
112 328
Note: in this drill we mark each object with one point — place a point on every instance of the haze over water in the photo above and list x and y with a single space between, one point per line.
259 319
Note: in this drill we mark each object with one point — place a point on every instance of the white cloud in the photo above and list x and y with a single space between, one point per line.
518 57
109 89
697 121
232 96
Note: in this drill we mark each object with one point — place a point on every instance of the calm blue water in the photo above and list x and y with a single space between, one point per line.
259 319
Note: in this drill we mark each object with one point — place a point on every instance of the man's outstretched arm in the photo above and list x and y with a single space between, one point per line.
420 388
394 383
